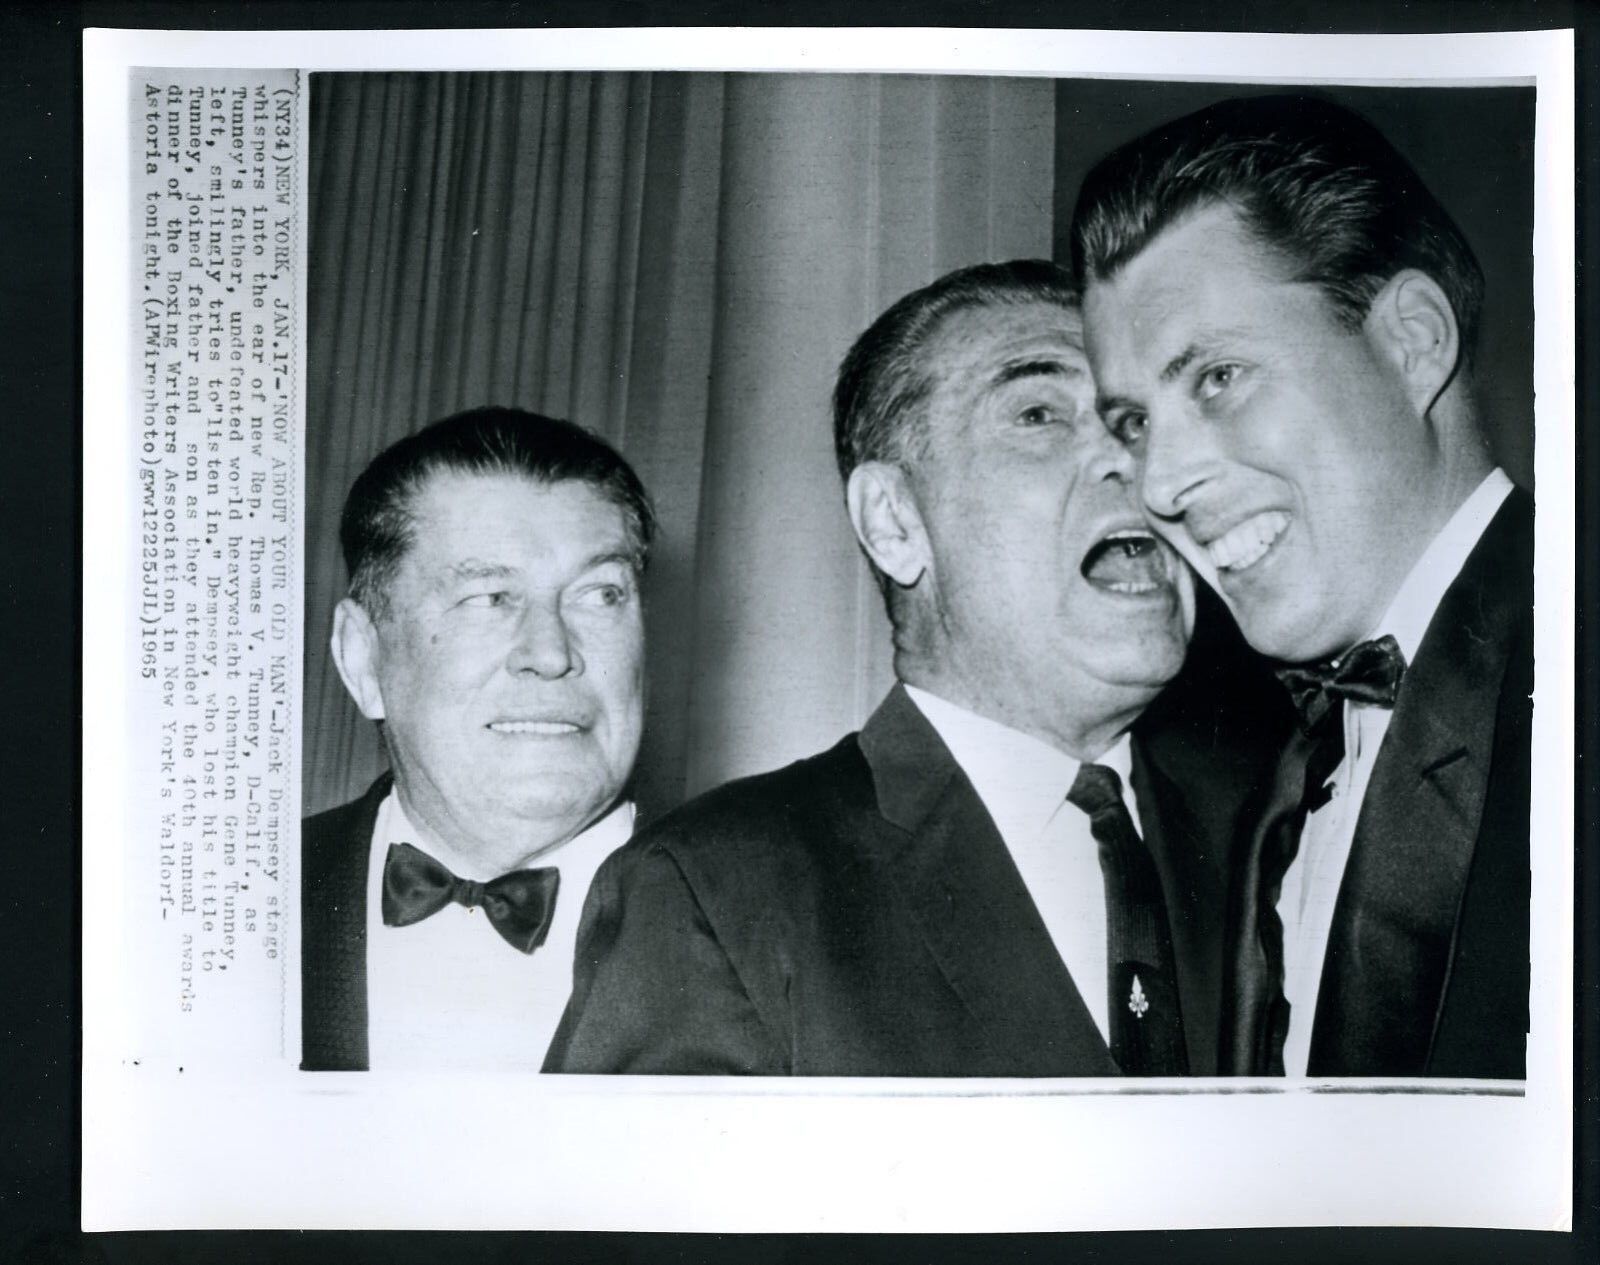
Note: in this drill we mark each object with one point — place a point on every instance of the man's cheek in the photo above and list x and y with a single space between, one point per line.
1186 600
1188 550
618 644
1201 566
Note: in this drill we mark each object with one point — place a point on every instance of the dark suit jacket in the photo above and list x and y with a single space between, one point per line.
334 848
1426 972
857 914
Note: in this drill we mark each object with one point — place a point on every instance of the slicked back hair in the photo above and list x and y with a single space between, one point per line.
379 519
1313 181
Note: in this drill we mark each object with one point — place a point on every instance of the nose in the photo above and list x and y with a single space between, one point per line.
1111 458
543 644
1174 460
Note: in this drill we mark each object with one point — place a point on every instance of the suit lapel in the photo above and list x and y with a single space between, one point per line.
1394 923
974 911
333 941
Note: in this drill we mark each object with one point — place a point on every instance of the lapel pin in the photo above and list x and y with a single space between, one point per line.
1137 1002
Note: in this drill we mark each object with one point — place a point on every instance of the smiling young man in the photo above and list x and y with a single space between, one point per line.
494 629
993 878
1281 321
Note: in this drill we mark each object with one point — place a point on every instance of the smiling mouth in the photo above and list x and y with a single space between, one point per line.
1241 547
542 728
1130 561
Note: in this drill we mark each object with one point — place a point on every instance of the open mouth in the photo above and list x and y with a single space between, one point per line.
1241 547
1130 561
541 728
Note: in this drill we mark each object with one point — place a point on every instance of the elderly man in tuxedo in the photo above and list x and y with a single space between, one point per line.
493 629
1014 868
1281 321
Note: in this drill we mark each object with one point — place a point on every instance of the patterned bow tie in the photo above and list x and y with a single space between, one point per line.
520 905
1370 673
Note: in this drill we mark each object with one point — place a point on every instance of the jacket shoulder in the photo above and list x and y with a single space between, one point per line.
778 802
334 848
347 817
332 825
330 841
769 826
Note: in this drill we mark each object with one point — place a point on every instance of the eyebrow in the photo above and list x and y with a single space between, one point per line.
1036 369
625 557
1104 404
474 569
1179 363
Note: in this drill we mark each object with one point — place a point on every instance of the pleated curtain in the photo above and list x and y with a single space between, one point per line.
678 262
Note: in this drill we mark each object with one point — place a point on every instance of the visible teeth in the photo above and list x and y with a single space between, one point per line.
533 727
1247 543
1127 561
1133 543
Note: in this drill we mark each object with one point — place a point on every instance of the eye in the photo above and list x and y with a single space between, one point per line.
1038 415
1217 379
604 595
486 601
1128 426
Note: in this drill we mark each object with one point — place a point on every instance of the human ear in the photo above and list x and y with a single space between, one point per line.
1415 327
356 654
887 522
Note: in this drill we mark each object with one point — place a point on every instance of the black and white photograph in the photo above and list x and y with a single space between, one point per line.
786 618
503 255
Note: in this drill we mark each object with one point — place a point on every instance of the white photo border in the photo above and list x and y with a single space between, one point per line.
523 1152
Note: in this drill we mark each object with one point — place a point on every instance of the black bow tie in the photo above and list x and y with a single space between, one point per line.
520 905
1370 673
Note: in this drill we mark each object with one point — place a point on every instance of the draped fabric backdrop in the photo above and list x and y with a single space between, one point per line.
678 262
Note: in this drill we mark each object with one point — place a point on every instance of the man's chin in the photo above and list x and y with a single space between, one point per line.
1288 634
1146 665
553 800
528 791
536 824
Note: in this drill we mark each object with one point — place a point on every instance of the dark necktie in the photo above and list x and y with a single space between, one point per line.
1146 1024
519 905
1368 673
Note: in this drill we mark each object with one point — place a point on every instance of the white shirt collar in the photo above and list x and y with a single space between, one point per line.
1422 590
1022 780
445 993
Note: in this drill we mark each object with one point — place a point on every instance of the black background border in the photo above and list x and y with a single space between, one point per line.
41 625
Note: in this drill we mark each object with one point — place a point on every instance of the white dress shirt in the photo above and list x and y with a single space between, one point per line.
1023 783
449 992
1311 884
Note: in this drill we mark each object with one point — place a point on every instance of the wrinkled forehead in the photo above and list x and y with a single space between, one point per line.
987 346
452 510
